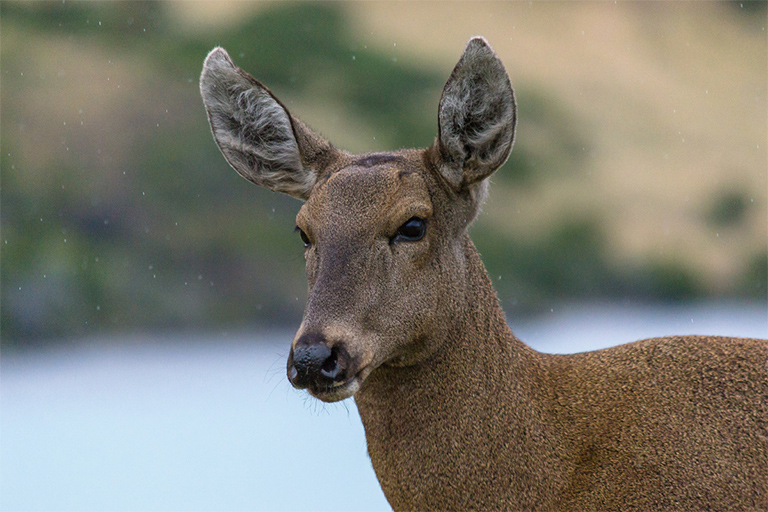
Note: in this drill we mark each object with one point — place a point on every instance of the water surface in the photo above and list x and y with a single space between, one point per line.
171 422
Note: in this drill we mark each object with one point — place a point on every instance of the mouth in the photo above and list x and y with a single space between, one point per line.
338 391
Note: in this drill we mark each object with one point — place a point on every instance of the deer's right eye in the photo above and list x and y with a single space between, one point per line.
412 231
304 237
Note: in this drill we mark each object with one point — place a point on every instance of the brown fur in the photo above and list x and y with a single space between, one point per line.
459 414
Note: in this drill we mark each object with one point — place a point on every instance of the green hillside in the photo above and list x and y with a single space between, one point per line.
119 214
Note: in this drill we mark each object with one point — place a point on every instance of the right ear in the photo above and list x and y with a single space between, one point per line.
255 132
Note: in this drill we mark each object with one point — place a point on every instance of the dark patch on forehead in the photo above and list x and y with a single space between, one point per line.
377 159
367 162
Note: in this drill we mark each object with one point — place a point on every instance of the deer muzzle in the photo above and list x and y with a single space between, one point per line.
326 371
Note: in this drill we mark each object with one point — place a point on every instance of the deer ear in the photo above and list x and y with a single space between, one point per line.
476 118
256 133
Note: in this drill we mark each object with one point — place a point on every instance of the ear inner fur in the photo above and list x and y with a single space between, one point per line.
477 117
256 133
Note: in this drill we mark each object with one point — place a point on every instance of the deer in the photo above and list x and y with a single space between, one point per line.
459 414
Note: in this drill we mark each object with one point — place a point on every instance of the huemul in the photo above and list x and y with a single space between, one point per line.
459 414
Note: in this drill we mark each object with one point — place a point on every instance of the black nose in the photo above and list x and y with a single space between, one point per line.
313 363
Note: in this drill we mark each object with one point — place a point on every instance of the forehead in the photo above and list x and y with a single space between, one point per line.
369 186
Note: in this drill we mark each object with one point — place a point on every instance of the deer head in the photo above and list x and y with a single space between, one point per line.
384 233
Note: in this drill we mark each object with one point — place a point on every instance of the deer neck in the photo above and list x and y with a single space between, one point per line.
418 419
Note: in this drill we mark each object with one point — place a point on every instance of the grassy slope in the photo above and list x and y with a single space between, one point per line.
665 103
636 170
670 102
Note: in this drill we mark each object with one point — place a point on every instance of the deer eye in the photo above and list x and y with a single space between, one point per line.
411 231
304 237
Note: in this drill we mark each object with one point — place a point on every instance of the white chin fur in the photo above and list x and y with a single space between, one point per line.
338 392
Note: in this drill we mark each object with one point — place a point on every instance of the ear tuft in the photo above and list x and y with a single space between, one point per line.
477 117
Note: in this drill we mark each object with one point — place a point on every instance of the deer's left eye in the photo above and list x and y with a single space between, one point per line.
304 237
411 231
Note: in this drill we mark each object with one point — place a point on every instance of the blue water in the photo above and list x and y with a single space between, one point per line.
166 422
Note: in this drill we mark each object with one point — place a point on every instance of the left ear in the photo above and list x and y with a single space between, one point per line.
476 118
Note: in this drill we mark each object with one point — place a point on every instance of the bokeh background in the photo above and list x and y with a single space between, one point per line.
639 170
639 176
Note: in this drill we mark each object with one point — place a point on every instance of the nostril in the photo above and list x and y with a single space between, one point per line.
330 364
331 368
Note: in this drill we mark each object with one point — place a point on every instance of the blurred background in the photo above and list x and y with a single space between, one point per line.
136 263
